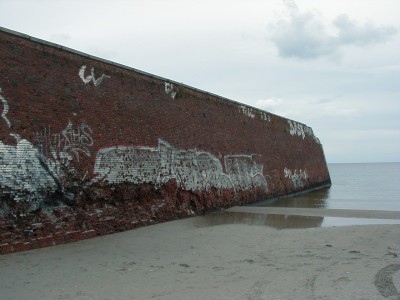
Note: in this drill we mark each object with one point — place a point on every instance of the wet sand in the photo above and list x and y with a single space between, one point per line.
191 259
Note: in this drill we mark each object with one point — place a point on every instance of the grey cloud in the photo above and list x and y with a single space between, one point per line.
322 101
305 36
352 33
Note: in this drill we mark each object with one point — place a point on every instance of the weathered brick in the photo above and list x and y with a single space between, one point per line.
104 148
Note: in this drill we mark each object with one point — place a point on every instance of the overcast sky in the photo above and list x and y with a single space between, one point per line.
333 65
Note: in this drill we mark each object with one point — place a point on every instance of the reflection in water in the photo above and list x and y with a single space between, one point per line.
277 221
313 199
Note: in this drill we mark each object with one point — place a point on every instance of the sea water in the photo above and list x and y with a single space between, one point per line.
373 186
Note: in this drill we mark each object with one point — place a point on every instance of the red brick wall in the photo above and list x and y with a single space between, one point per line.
89 147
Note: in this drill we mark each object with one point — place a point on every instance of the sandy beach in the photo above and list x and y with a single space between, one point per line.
191 259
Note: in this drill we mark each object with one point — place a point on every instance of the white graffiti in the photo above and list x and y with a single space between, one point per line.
22 174
244 172
297 177
4 116
5 110
192 169
91 77
266 117
171 90
247 111
68 144
299 129
33 174
251 113
27 174
59 150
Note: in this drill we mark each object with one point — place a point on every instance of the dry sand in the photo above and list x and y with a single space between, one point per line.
188 259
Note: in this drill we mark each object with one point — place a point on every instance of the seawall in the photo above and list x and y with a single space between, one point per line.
90 147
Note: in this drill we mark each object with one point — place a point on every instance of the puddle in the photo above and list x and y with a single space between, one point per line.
276 221
280 221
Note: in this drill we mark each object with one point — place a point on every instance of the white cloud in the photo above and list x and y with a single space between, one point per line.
269 104
306 35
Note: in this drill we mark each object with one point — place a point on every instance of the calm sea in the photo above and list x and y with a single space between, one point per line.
373 186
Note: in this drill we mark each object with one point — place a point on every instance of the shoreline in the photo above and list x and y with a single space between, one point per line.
188 259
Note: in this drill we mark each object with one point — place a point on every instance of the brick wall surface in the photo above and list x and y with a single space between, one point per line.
89 147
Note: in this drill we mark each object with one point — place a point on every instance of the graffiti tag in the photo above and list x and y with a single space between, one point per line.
68 144
297 177
5 110
91 77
